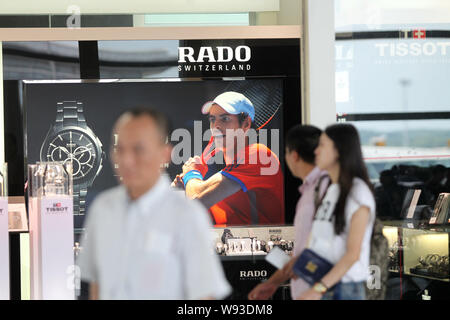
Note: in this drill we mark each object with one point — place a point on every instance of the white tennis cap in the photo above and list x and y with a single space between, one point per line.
232 102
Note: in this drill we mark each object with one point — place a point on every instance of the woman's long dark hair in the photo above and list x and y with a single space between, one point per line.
346 141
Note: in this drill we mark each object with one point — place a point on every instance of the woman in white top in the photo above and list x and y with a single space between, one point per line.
342 226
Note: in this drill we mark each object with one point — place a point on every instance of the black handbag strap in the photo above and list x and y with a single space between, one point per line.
317 197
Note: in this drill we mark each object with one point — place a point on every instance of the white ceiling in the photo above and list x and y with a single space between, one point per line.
376 14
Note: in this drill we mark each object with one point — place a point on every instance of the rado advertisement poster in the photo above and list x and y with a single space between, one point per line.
67 121
72 120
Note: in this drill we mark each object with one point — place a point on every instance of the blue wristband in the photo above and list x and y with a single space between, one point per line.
193 174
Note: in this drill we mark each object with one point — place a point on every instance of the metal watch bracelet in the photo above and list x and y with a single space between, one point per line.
70 113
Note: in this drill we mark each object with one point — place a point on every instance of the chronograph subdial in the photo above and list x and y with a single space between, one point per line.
74 146
83 154
59 153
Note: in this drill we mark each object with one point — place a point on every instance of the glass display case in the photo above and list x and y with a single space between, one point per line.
419 252
242 252
50 189
426 253
391 233
252 241
4 235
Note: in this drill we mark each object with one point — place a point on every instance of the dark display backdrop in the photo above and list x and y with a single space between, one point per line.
245 273
104 102
125 59
267 57
270 58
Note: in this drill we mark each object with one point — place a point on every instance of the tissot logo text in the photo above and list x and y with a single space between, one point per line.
57 208
402 49
253 273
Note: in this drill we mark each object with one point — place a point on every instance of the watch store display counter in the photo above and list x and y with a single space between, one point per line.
418 258
242 251
419 254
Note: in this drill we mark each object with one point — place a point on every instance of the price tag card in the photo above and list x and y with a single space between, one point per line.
278 257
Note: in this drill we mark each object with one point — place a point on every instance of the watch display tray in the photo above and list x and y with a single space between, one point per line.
429 274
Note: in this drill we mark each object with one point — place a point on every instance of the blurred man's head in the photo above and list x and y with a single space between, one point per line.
141 149
230 113
301 141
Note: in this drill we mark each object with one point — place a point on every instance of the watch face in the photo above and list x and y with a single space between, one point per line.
76 146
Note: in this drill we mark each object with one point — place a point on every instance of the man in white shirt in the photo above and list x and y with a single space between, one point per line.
144 240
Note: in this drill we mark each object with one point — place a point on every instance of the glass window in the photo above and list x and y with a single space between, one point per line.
392 76
197 19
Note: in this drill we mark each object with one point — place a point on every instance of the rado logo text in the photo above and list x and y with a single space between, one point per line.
253 273
224 54
217 58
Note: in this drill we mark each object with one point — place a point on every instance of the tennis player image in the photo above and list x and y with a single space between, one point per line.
244 192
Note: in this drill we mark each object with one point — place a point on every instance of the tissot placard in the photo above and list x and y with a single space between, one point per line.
52 256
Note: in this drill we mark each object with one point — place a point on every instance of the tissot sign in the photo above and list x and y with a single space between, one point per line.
219 58
414 43
57 208
415 49
415 34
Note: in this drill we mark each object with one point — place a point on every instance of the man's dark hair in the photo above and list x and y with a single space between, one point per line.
304 140
162 121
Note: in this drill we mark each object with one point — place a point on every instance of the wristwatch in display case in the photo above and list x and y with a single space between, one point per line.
70 139
433 265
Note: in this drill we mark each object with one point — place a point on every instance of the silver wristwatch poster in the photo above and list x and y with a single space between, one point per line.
66 129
